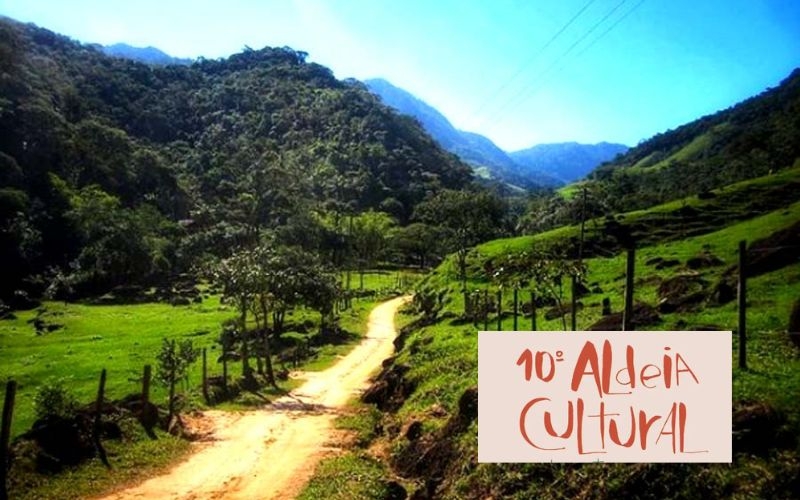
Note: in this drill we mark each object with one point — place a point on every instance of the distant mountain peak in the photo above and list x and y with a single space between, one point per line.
147 55
568 161
474 149
541 165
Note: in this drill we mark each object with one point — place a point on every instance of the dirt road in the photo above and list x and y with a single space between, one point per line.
271 453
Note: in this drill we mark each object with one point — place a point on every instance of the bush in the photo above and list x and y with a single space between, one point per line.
53 399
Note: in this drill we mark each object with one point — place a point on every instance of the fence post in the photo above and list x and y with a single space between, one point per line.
574 310
146 385
149 414
98 411
742 296
225 372
627 314
205 376
606 306
486 310
5 435
516 308
533 311
499 310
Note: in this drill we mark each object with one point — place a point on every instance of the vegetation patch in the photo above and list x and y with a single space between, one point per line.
438 366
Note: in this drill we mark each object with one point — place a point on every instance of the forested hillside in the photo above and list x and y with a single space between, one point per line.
759 136
479 151
149 55
753 138
115 172
721 255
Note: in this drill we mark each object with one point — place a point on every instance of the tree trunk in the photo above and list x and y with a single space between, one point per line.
267 347
462 271
171 406
245 351
277 323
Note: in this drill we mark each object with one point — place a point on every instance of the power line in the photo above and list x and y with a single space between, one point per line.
606 32
524 93
533 58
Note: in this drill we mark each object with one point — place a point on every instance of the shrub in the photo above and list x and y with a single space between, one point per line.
54 399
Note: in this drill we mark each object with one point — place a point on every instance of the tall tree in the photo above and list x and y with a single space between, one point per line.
239 277
466 219
369 236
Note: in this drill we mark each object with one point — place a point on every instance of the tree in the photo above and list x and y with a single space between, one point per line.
465 218
319 288
118 243
369 236
418 241
240 280
174 360
544 270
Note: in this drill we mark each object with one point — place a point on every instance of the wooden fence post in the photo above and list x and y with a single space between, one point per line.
516 308
98 412
486 310
574 310
146 385
742 296
533 311
225 372
499 310
5 435
205 376
627 315
149 413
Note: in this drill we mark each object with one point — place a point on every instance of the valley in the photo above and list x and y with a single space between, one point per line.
245 277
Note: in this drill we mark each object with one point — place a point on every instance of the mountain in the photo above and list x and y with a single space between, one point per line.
756 137
434 122
147 55
475 149
114 172
567 161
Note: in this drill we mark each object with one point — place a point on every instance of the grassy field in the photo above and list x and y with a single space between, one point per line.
675 220
133 458
122 339
443 356
119 338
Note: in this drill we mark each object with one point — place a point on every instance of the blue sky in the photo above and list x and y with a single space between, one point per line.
622 71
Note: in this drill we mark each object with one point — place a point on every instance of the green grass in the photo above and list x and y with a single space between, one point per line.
122 339
382 280
355 473
570 190
119 338
350 476
443 356
360 419
688 152
666 222
134 458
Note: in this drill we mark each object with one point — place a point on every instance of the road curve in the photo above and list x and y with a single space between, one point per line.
271 453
